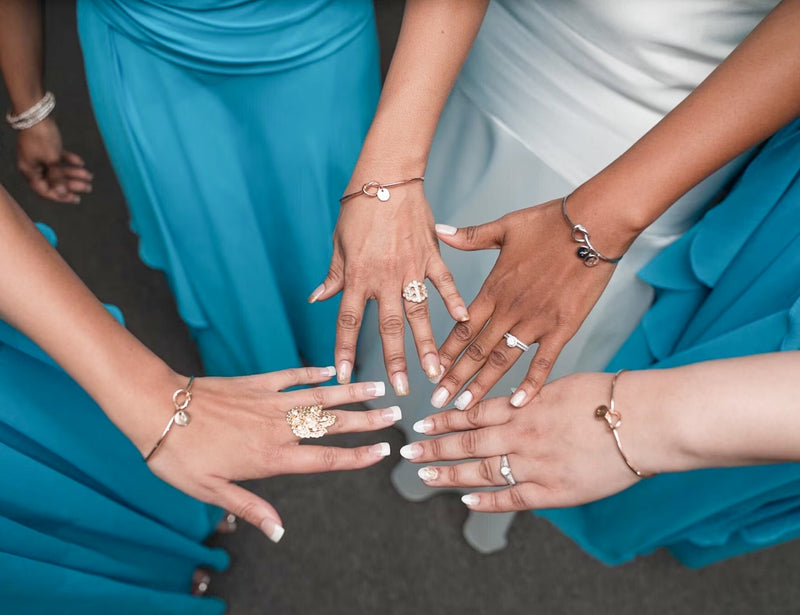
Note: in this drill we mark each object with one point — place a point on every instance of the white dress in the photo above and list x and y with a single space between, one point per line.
552 92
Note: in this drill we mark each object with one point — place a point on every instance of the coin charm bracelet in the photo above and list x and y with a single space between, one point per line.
378 190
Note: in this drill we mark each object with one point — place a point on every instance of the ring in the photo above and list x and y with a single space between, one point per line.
512 341
505 470
415 291
310 421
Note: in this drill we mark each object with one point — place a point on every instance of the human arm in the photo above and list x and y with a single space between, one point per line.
722 413
381 247
52 172
539 290
238 426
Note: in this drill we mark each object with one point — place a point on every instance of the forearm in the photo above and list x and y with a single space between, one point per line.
43 298
21 52
753 93
434 41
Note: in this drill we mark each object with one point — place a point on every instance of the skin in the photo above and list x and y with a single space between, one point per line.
238 429
705 415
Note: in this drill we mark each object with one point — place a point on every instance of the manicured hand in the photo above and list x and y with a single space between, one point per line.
52 172
238 431
378 249
539 291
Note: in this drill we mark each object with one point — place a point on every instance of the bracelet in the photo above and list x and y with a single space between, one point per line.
180 399
34 115
587 252
614 420
374 189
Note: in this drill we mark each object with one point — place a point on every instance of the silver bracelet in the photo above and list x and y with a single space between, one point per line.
374 189
181 400
34 115
587 252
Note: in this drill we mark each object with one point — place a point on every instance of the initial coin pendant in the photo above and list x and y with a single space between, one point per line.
383 194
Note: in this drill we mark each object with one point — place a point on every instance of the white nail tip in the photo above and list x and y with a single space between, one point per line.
446 229
463 400
329 371
428 474
422 426
378 389
439 397
410 451
277 534
397 413
517 399
382 449
273 531
470 499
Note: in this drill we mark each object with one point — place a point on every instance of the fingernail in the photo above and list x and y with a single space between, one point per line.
428 473
382 449
471 499
411 451
400 383
438 378
518 398
376 389
461 313
273 531
423 426
344 372
329 371
462 401
445 229
439 397
393 413
316 293
431 365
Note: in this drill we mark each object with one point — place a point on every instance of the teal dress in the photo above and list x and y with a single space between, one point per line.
233 127
85 527
730 287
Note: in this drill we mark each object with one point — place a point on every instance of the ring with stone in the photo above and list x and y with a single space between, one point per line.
415 291
310 421
505 470
514 342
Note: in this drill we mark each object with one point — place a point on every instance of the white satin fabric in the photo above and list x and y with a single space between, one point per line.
552 92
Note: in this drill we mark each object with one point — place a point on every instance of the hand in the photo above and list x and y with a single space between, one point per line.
538 290
52 172
559 452
238 431
378 248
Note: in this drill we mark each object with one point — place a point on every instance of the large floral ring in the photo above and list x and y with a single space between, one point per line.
415 291
310 421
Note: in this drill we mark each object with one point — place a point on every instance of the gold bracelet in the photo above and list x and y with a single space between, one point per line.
614 420
374 189
181 400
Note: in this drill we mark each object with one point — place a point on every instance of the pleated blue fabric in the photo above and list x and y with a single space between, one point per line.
233 127
730 287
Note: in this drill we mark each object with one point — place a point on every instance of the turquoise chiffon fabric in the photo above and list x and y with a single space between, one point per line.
730 287
85 527
233 126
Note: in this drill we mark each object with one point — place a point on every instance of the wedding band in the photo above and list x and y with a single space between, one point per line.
513 341
505 470
310 421
415 291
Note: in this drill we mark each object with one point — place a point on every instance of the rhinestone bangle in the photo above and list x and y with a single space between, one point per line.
34 115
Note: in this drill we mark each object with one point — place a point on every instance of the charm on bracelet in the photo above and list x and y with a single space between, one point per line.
580 234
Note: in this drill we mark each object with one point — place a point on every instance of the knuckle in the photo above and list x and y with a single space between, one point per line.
453 379
308 372
329 458
542 363
471 233
518 499
318 395
445 357
417 311
434 448
245 510
452 474
462 332
396 361
485 471
469 443
498 358
349 320
445 278
476 352
473 415
354 392
391 325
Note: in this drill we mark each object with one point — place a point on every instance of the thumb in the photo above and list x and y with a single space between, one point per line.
482 237
333 282
251 508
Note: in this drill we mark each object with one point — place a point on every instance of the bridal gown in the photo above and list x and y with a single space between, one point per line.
552 92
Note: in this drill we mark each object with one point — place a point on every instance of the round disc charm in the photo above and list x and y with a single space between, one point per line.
182 418
383 194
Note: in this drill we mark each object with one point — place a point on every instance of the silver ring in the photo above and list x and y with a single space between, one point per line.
415 291
513 341
505 470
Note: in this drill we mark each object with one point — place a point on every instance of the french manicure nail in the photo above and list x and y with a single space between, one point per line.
381 449
273 531
400 384
428 473
328 371
462 401
392 413
411 451
316 293
439 397
423 426
471 499
376 389
461 313
445 229
518 398
345 369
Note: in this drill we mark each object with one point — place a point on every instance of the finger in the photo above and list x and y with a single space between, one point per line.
440 275
287 378
78 186
328 397
348 324
541 365
78 173
309 458
73 159
523 496
251 508
481 237
495 411
359 421
482 473
333 282
391 326
473 444
419 319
